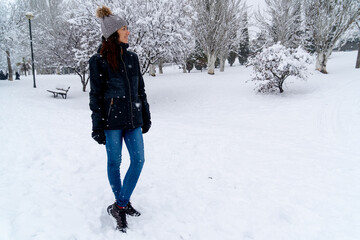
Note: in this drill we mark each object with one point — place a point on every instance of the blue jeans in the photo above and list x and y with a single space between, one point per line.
135 145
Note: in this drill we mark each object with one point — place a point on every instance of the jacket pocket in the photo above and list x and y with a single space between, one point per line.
117 115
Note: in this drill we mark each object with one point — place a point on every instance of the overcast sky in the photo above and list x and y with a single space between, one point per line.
255 3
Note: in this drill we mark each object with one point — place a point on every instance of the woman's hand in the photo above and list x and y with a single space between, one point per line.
99 136
145 128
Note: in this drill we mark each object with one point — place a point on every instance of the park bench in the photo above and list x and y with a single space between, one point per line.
60 91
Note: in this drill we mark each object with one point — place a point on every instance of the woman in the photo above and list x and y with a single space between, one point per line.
120 110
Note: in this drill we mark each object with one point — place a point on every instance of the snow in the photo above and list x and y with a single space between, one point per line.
221 161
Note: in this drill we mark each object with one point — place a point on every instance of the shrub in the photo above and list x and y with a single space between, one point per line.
273 65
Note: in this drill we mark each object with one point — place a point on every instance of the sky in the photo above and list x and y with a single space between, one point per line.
254 4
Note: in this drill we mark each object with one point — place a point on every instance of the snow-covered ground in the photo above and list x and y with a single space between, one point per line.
221 161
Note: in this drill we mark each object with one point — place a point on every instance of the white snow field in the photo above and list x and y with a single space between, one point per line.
221 161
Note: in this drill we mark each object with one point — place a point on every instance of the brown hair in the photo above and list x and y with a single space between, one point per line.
109 49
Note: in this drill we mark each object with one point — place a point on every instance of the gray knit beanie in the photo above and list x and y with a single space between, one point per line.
109 23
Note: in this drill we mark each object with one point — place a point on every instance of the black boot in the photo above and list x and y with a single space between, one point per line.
120 216
131 211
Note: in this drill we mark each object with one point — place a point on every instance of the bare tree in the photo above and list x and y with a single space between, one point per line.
214 27
232 28
326 21
281 22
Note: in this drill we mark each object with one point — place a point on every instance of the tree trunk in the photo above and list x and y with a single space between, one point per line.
161 66
24 66
152 70
81 72
184 68
358 58
321 61
87 81
222 64
83 81
9 65
281 82
211 63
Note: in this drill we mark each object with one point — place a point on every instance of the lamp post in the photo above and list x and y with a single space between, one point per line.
30 16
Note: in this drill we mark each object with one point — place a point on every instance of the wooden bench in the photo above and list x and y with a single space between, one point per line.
60 91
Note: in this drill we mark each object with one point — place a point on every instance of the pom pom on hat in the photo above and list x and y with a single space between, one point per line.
110 23
103 12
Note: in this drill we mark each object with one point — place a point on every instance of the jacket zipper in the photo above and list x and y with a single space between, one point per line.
111 103
132 121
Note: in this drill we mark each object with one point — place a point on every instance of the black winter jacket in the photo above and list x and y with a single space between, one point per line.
118 98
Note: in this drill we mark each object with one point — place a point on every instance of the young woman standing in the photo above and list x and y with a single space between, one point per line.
120 110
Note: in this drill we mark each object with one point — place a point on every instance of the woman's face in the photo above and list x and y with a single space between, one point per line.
123 34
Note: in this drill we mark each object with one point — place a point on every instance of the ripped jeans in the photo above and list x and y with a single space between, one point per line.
134 143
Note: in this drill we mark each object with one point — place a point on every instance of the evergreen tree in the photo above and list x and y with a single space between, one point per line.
244 46
199 57
190 64
217 62
231 58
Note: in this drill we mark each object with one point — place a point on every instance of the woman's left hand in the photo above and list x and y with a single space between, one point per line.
145 128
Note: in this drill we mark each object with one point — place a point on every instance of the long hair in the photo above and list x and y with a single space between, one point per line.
109 49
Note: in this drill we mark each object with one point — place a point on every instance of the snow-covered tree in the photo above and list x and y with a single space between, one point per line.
326 22
49 32
274 64
216 24
232 27
12 23
159 29
86 36
351 35
65 35
182 19
4 42
259 42
281 21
